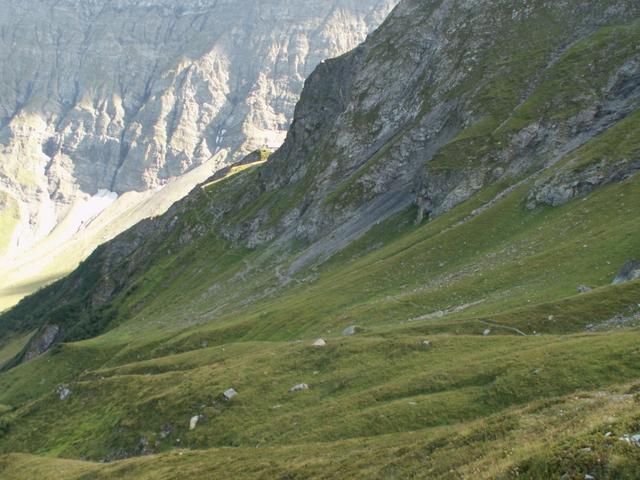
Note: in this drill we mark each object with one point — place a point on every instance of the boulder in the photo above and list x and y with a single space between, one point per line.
299 388
631 439
193 423
63 393
426 344
229 394
350 330
487 332
630 271
583 289
320 343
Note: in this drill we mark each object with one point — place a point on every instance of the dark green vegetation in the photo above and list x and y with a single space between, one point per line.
157 324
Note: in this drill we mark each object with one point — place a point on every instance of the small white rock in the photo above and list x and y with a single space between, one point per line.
63 393
349 331
486 332
194 422
320 343
229 394
299 387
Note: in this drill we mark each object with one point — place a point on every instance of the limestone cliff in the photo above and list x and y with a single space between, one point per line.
99 98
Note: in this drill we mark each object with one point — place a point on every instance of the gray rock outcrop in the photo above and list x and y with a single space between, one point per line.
229 394
350 330
411 124
63 393
42 342
630 271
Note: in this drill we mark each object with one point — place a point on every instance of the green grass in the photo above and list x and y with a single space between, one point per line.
481 449
579 75
12 346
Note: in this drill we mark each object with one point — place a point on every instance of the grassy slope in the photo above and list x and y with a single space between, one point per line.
381 385
476 450
12 346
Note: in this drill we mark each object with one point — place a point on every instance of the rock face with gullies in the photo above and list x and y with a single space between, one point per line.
445 99
99 98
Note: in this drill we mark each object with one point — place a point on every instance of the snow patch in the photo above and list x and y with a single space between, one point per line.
87 210
83 211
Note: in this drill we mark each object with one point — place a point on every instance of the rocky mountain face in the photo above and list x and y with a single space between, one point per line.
477 96
99 98
445 100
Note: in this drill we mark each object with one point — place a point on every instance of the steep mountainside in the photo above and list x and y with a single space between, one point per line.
101 98
448 212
